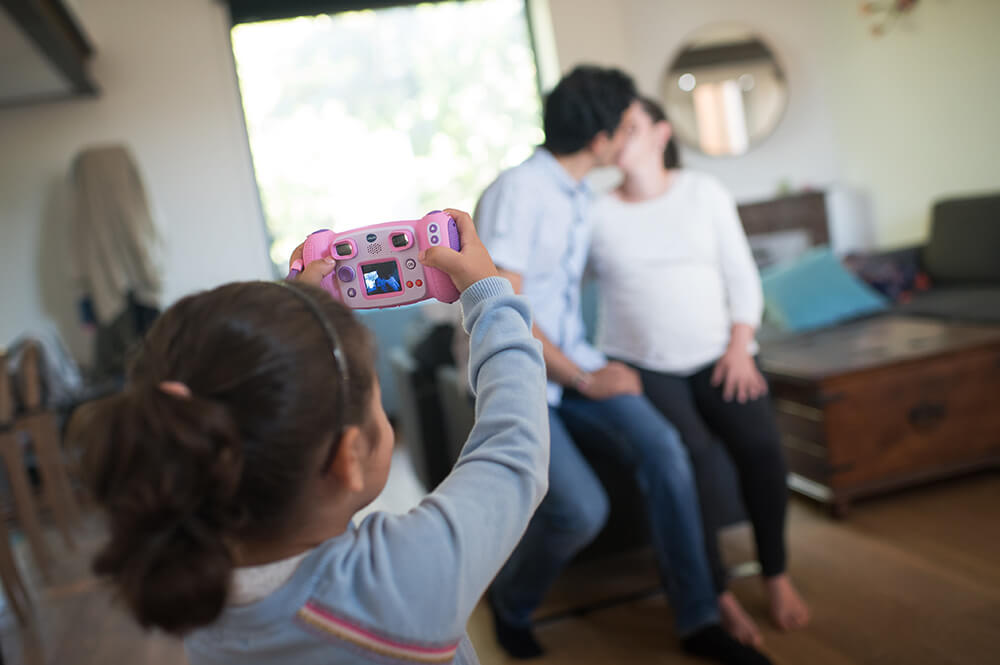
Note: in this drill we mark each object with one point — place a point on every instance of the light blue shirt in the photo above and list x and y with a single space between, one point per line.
400 588
533 220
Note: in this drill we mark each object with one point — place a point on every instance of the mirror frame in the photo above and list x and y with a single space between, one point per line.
685 44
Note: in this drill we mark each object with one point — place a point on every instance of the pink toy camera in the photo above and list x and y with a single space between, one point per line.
377 265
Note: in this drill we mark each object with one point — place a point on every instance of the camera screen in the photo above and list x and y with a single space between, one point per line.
382 278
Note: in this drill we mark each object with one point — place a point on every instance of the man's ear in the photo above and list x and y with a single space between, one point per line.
596 145
347 469
664 130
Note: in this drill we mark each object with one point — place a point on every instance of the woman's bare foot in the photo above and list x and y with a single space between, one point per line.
788 610
737 622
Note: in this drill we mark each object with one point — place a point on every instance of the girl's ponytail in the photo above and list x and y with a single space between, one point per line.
166 469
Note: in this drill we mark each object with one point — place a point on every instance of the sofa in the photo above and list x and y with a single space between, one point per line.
961 259
921 355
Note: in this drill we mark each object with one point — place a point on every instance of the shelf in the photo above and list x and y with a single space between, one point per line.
43 53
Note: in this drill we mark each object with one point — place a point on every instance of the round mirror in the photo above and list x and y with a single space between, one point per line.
724 92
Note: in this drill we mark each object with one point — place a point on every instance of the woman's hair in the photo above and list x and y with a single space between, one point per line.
184 479
671 155
587 101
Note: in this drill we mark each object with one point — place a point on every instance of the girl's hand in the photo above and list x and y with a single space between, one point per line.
739 376
468 266
314 272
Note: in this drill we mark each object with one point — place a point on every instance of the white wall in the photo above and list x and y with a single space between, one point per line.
642 36
589 31
916 111
888 124
168 90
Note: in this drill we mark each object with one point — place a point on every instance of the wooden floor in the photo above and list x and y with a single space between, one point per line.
913 578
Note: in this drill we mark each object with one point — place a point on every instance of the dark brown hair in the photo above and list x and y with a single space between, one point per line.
587 101
184 479
671 155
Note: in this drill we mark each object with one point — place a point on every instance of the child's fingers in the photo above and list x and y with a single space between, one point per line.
442 258
295 261
317 270
466 227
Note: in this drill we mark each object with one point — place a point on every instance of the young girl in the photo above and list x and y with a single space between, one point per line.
251 432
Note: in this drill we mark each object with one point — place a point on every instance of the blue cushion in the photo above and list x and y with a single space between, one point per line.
815 290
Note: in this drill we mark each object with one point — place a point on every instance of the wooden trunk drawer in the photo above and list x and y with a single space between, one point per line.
913 417
803 438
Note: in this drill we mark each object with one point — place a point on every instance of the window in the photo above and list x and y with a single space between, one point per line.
379 115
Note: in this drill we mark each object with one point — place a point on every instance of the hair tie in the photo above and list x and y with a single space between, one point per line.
175 388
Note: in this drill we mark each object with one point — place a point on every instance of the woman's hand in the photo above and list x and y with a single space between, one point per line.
736 371
314 272
738 375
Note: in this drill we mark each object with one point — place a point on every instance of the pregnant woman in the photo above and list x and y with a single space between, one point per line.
680 301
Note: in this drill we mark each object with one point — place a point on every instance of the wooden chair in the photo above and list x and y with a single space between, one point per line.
13 584
42 427
24 501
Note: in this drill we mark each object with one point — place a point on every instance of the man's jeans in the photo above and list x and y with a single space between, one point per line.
576 507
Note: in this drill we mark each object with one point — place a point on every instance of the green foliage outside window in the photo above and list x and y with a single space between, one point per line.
372 116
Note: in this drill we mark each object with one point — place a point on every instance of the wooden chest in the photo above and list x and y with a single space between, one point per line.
884 403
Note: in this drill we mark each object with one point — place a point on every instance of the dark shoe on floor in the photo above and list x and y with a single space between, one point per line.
518 642
714 643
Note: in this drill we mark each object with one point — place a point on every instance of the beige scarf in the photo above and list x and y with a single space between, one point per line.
116 246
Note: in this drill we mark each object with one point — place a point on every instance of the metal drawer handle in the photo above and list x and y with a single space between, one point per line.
927 415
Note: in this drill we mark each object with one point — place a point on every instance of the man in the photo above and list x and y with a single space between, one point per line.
533 221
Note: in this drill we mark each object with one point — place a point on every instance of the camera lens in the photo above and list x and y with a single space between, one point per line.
344 249
400 240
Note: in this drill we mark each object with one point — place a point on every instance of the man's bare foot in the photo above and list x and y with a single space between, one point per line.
788 610
737 622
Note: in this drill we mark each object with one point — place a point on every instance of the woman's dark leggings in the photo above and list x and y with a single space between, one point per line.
749 434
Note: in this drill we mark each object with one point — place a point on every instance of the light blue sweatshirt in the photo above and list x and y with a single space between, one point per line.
400 588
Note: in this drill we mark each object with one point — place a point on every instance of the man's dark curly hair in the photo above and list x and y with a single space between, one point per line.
587 101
